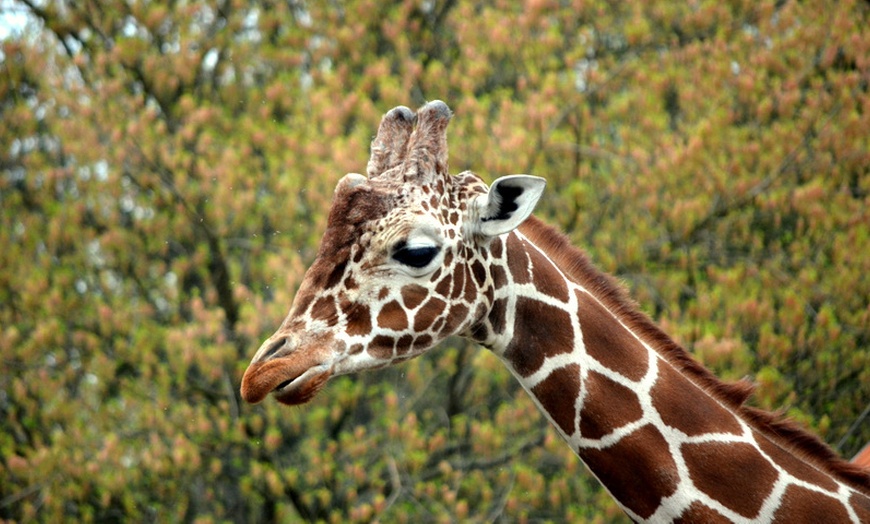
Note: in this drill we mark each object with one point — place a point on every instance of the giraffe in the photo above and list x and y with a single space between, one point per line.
412 255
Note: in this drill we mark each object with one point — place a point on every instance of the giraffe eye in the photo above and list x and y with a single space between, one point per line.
416 257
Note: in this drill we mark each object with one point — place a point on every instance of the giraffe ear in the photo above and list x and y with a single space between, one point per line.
511 199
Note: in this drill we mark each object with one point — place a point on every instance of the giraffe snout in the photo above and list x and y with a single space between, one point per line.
293 372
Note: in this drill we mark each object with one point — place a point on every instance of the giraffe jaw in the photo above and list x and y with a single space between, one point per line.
302 388
290 382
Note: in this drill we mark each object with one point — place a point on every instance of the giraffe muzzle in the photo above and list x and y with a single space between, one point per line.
290 380
304 387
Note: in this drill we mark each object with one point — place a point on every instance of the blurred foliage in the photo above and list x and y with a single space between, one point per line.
165 171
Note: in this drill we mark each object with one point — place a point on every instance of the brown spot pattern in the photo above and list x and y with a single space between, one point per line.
546 277
324 309
479 332
861 504
443 287
497 315
303 300
335 276
471 288
495 247
702 415
517 261
608 405
638 470
392 316
422 342
460 274
499 276
413 295
448 258
457 315
535 339
382 347
359 321
732 473
479 273
793 465
403 345
557 394
800 504
489 295
697 512
428 313
608 342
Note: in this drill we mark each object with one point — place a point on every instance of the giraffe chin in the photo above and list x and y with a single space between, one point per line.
303 388
290 382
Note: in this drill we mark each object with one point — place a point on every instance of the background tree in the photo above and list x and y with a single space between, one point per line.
165 170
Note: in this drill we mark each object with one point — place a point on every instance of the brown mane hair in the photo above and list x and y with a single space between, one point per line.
576 264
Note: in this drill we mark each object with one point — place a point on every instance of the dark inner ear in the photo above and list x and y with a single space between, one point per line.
507 201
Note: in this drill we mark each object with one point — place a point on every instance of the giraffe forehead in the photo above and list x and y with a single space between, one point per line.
365 223
417 214
354 214
368 217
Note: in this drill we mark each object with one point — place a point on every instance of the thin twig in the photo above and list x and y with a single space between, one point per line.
852 428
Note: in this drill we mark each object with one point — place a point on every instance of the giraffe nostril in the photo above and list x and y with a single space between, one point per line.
274 347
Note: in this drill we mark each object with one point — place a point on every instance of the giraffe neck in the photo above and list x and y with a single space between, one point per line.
665 437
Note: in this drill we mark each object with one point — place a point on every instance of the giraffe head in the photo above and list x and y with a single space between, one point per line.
402 265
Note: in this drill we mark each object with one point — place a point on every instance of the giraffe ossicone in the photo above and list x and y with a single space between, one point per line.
412 255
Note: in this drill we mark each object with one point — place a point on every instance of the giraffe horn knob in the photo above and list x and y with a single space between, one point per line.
389 147
427 150
438 109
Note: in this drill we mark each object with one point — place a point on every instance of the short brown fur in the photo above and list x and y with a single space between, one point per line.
785 433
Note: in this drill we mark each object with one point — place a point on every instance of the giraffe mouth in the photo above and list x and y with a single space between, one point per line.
303 388
290 382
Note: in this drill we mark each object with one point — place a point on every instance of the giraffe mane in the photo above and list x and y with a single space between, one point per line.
788 434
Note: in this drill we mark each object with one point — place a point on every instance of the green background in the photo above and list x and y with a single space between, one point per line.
165 173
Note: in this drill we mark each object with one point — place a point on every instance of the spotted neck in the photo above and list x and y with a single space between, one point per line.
667 439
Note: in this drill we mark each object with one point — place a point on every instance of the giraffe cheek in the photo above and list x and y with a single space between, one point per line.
422 343
393 316
457 316
413 295
403 345
381 347
359 321
427 314
442 289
